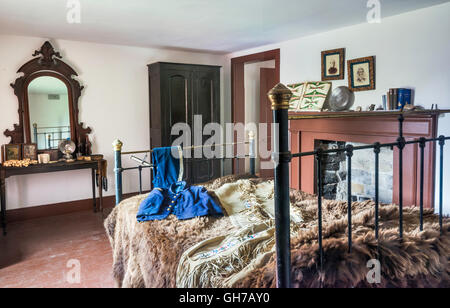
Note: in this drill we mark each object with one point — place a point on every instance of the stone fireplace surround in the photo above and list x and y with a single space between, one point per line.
334 173
308 129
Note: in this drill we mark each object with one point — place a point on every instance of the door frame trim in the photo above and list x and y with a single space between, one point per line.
238 90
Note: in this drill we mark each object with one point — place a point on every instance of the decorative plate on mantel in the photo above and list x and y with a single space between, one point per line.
309 96
341 99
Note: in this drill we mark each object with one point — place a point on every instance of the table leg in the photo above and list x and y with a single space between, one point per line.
94 199
100 191
3 203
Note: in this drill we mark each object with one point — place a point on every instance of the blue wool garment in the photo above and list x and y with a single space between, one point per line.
166 168
183 201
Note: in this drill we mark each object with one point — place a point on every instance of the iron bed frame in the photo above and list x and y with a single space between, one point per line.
118 169
280 97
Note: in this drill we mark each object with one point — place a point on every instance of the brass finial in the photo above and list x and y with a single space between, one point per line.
280 97
117 144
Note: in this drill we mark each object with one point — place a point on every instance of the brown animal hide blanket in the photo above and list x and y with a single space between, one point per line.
147 254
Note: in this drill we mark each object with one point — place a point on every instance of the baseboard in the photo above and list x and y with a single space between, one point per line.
59 208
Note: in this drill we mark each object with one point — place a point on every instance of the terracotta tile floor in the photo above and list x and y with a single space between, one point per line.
35 253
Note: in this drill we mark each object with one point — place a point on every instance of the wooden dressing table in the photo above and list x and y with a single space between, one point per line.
48 94
95 166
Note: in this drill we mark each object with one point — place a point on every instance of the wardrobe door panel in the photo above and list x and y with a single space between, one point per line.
176 87
176 100
207 104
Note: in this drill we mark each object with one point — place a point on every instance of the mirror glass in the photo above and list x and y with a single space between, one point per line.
48 103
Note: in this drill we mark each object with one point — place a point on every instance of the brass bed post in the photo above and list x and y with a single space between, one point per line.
280 96
117 144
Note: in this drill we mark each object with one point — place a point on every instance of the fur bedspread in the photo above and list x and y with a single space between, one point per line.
147 254
420 260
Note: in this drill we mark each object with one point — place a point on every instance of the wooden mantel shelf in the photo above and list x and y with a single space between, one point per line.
358 114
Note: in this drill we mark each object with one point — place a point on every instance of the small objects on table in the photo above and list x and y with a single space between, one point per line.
29 151
90 158
20 163
67 147
11 152
409 107
44 158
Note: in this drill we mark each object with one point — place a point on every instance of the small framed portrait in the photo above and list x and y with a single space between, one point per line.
29 151
11 152
361 74
333 64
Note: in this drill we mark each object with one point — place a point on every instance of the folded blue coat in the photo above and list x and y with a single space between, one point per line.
166 168
183 201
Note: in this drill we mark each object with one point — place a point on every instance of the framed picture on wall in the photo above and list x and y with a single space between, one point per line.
29 151
11 152
333 64
361 74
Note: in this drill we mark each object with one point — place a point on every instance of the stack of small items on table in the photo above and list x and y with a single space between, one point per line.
20 163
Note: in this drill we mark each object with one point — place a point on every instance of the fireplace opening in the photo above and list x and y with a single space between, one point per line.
334 173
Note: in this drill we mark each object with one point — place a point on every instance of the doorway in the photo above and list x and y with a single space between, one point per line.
252 76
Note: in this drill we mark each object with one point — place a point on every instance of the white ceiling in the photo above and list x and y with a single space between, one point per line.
210 25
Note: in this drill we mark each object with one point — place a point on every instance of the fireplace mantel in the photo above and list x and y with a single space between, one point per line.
364 114
308 128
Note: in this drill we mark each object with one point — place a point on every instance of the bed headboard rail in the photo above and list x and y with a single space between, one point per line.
118 169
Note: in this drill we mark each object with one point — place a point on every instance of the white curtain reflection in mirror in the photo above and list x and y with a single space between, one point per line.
48 103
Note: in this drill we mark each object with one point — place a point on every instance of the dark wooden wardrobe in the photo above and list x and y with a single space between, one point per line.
177 93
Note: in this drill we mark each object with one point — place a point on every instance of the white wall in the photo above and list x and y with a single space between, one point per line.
114 104
411 51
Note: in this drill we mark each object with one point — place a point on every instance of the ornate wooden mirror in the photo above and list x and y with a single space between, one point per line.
48 98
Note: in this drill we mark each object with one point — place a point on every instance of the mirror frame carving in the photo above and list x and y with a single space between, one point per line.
47 63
